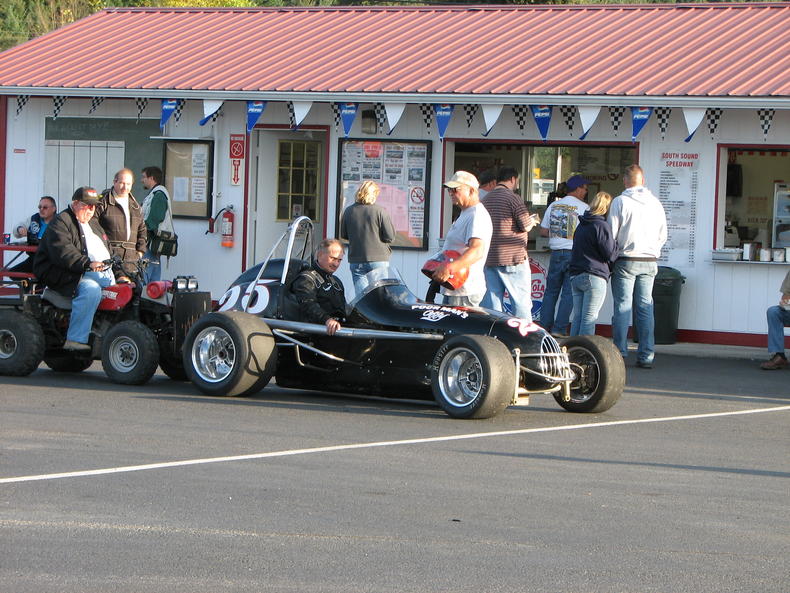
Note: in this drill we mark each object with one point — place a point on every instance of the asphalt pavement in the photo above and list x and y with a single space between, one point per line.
681 487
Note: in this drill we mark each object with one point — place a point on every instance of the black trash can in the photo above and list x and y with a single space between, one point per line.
666 305
666 302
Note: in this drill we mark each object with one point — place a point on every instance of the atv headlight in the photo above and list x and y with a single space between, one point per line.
185 283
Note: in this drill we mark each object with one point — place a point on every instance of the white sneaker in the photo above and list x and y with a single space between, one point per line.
76 346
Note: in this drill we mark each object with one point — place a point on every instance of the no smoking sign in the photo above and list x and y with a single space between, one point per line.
237 146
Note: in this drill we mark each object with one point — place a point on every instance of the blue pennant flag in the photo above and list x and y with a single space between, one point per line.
254 111
348 112
443 114
168 107
542 115
639 117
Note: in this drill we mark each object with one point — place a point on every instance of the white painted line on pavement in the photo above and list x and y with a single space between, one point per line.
457 437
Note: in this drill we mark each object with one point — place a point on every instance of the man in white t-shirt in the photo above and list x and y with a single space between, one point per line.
559 224
470 236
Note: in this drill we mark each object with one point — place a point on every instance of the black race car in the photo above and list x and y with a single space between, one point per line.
473 361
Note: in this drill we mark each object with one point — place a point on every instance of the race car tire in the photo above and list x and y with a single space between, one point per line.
473 377
68 362
21 343
601 374
129 353
171 365
230 353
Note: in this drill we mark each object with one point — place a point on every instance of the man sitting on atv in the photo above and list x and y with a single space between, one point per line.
319 292
71 261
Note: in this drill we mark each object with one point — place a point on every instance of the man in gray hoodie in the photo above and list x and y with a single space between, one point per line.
639 226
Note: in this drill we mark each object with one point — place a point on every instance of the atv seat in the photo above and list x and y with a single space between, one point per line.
57 299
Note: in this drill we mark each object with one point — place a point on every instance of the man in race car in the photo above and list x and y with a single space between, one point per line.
70 261
319 292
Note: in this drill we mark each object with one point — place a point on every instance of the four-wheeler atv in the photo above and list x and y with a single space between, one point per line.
135 329
473 361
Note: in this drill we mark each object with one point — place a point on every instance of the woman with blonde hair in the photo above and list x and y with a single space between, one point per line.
594 252
369 230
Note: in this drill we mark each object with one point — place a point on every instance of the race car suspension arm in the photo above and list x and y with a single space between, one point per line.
299 344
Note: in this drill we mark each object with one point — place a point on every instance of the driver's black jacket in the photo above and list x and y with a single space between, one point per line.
320 296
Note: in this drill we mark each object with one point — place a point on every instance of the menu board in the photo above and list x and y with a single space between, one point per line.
678 182
188 176
402 169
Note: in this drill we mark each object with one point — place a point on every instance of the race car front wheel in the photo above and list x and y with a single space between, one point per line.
129 353
21 343
600 374
230 353
68 362
473 377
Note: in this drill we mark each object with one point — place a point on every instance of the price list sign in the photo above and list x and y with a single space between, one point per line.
678 184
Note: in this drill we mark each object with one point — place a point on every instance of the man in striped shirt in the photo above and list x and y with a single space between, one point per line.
507 264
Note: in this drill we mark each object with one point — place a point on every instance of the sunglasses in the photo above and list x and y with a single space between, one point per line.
451 190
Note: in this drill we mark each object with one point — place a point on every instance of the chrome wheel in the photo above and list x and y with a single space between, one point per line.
213 354
123 354
588 374
460 377
8 344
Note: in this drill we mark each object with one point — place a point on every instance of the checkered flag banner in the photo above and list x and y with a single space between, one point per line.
766 119
21 101
179 110
616 115
520 112
142 103
381 115
427 115
470 111
292 114
713 117
95 102
568 116
662 117
57 105
335 115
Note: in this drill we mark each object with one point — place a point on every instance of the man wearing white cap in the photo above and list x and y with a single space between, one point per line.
470 235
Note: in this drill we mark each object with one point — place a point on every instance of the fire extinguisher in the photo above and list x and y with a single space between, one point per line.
225 225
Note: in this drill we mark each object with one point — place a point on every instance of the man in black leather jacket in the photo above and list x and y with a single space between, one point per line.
319 292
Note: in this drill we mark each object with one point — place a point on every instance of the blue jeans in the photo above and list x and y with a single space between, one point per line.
83 306
632 282
778 319
558 286
589 292
358 272
517 280
154 270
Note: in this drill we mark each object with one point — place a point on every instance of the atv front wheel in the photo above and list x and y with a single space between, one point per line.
129 353
473 377
230 353
600 374
21 343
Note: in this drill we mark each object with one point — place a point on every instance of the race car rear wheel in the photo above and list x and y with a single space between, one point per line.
230 353
21 343
68 362
600 374
129 353
473 377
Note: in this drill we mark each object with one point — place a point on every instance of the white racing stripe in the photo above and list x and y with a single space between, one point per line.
457 437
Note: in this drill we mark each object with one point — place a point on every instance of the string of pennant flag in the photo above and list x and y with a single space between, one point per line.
388 115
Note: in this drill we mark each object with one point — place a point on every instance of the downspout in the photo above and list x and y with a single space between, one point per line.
3 154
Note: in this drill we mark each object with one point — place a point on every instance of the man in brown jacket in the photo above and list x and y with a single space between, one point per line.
121 217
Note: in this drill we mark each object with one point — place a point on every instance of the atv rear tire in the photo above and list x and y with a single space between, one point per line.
21 343
473 377
600 374
129 353
230 353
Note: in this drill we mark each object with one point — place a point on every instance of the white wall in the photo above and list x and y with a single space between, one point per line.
716 297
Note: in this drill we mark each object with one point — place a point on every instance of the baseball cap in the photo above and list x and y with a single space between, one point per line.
86 195
576 181
462 178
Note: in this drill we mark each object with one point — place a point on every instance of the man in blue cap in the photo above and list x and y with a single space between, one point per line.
559 223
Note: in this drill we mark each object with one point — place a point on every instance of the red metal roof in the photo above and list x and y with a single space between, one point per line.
697 50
